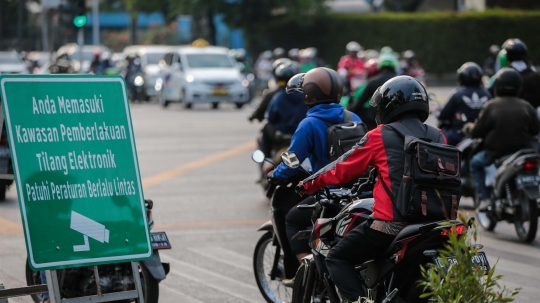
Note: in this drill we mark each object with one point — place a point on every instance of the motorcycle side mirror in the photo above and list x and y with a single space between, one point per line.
258 156
290 159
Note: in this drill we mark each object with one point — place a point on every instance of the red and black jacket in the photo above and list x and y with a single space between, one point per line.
381 148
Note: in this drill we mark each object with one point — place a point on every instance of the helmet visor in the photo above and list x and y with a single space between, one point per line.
376 98
295 84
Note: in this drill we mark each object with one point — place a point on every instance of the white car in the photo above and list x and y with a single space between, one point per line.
202 75
11 63
150 56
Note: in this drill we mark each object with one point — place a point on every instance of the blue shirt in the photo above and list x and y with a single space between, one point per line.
310 138
286 111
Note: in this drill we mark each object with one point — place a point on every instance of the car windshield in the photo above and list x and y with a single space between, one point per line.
87 56
209 61
11 58
154 58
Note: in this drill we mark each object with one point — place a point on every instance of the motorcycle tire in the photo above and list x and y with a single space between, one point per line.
33 278
525 211
150 285
273 291
215 105
298 287
239 105
3 189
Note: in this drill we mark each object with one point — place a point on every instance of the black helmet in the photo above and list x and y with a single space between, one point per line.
285 71
507 82
470 74
319 85
397 96
279 52
515 49
278 62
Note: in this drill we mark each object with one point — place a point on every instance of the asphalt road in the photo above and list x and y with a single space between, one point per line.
197 168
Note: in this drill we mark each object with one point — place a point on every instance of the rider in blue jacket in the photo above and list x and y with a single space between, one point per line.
465 103
322 89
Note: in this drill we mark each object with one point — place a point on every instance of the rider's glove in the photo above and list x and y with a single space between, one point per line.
271 179
300 188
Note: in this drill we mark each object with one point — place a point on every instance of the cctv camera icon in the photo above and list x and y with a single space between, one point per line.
89 228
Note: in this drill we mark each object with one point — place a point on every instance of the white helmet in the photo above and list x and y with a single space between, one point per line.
353 46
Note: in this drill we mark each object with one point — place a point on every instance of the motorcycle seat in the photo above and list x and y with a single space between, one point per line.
409 231
511 157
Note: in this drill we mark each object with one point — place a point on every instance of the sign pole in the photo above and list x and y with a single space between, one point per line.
52 284
80 41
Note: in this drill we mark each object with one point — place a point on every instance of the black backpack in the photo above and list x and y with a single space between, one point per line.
430 188
341 137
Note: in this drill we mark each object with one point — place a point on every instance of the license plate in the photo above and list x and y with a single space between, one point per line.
160 240
479 261
220 92
528 180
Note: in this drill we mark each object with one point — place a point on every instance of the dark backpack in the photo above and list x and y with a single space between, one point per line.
430 188
530 91
341 137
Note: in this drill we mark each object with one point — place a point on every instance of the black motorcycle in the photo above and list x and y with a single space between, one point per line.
79 281
514 194
273 260
390 278
136 88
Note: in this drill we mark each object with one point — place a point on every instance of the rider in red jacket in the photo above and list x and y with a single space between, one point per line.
402 99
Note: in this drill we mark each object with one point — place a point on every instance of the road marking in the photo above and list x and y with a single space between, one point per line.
180 170
209 224
230 286
178 296
8 227
224 256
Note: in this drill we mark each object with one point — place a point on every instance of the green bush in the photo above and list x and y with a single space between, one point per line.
461 283
442 40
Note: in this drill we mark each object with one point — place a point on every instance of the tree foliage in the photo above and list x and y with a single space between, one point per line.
461 282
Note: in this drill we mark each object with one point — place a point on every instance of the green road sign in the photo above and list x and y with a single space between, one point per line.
76 170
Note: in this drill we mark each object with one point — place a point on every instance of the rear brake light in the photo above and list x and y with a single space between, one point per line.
530 164
460 229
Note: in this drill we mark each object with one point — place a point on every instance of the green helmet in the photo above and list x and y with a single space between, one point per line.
502 59
388 60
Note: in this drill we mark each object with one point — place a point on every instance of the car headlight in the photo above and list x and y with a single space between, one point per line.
190 78
139 81
245 83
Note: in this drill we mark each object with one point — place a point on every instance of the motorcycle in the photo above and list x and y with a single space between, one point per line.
514 193
79 281
391 278
273 260
136 87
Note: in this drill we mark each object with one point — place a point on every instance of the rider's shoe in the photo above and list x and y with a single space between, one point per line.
484 204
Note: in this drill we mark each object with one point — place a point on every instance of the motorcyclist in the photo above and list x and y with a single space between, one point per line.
387 69
263 67
105 63
267 96
514 55
309 60
351 65
489 63
402 99
279 53
465 103
505 124
293 54
285 110
322 88
411 67
95 63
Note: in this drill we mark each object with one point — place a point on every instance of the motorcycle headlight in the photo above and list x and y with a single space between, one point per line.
159 84
139 81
